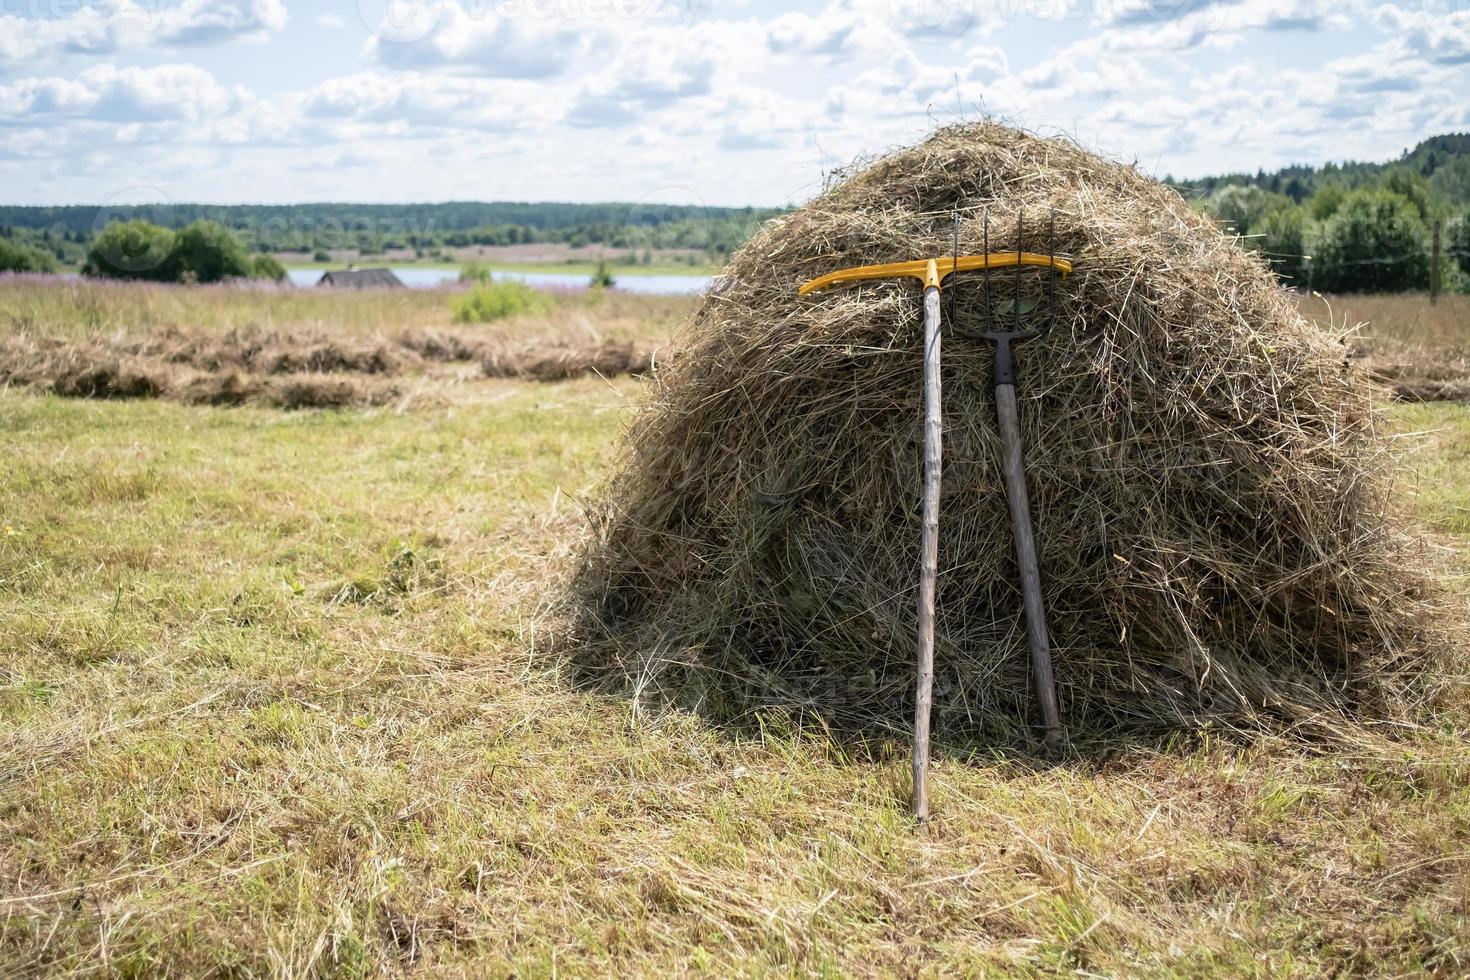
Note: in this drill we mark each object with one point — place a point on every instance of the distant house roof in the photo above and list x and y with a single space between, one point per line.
360 279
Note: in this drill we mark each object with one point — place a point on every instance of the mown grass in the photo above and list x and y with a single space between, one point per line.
274 701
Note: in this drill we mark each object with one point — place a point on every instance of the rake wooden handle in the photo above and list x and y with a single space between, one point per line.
929 553
1020 504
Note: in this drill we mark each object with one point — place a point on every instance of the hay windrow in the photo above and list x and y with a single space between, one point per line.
1211 492
301 369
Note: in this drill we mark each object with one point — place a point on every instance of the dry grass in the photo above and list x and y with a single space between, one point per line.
1418 350
226 346
273 702
1218 538
1393 322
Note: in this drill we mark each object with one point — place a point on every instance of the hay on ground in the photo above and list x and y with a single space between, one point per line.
1209 485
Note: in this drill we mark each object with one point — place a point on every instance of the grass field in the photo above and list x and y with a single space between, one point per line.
275 700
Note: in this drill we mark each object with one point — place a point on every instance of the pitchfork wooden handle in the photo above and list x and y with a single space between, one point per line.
1020 503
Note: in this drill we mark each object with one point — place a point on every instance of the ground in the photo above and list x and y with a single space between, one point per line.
275 701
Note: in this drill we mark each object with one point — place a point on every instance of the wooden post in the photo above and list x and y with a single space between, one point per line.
929 551
1020 503
1435 253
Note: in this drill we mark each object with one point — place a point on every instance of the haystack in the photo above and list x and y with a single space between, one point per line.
1210 485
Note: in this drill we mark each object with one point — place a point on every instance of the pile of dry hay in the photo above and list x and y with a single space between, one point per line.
1210 489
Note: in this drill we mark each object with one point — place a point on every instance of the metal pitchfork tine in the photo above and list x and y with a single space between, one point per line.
932 273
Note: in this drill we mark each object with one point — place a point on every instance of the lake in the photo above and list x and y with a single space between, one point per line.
427 278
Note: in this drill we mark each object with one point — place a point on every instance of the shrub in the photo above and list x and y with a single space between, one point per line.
1375 242
496 301
474 272
267 267
132 250
321 255
602 278
19 258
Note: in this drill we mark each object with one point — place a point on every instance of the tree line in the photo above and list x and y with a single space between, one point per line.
1356 227
373 228
1338 228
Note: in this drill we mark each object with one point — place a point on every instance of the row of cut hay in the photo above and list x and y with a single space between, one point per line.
273 368
1210 484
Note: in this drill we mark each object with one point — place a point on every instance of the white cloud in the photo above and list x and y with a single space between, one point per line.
399 105
483 39
1441 37
331 22
1182 24
126 24
105 93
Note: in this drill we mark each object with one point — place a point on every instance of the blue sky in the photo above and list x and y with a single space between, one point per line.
684 101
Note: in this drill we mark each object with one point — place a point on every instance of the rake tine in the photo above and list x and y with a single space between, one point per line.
985 272
1020 247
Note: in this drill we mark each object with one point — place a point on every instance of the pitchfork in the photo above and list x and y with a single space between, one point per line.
932 273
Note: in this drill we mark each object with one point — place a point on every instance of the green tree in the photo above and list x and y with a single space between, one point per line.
1284 243
1409 184
19 258
134 249
267 267
1375 242
1324 204
1456 242
207 251
1243 209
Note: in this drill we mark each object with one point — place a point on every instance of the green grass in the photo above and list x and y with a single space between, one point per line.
274 700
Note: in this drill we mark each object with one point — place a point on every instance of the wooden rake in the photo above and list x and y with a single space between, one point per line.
932 273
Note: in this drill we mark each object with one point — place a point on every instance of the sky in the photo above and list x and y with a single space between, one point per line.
715 102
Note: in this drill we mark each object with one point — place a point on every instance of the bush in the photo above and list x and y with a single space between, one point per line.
132 250
321 255
19 258
1375 242
474 272
267 267
601 278
207 251
497 300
